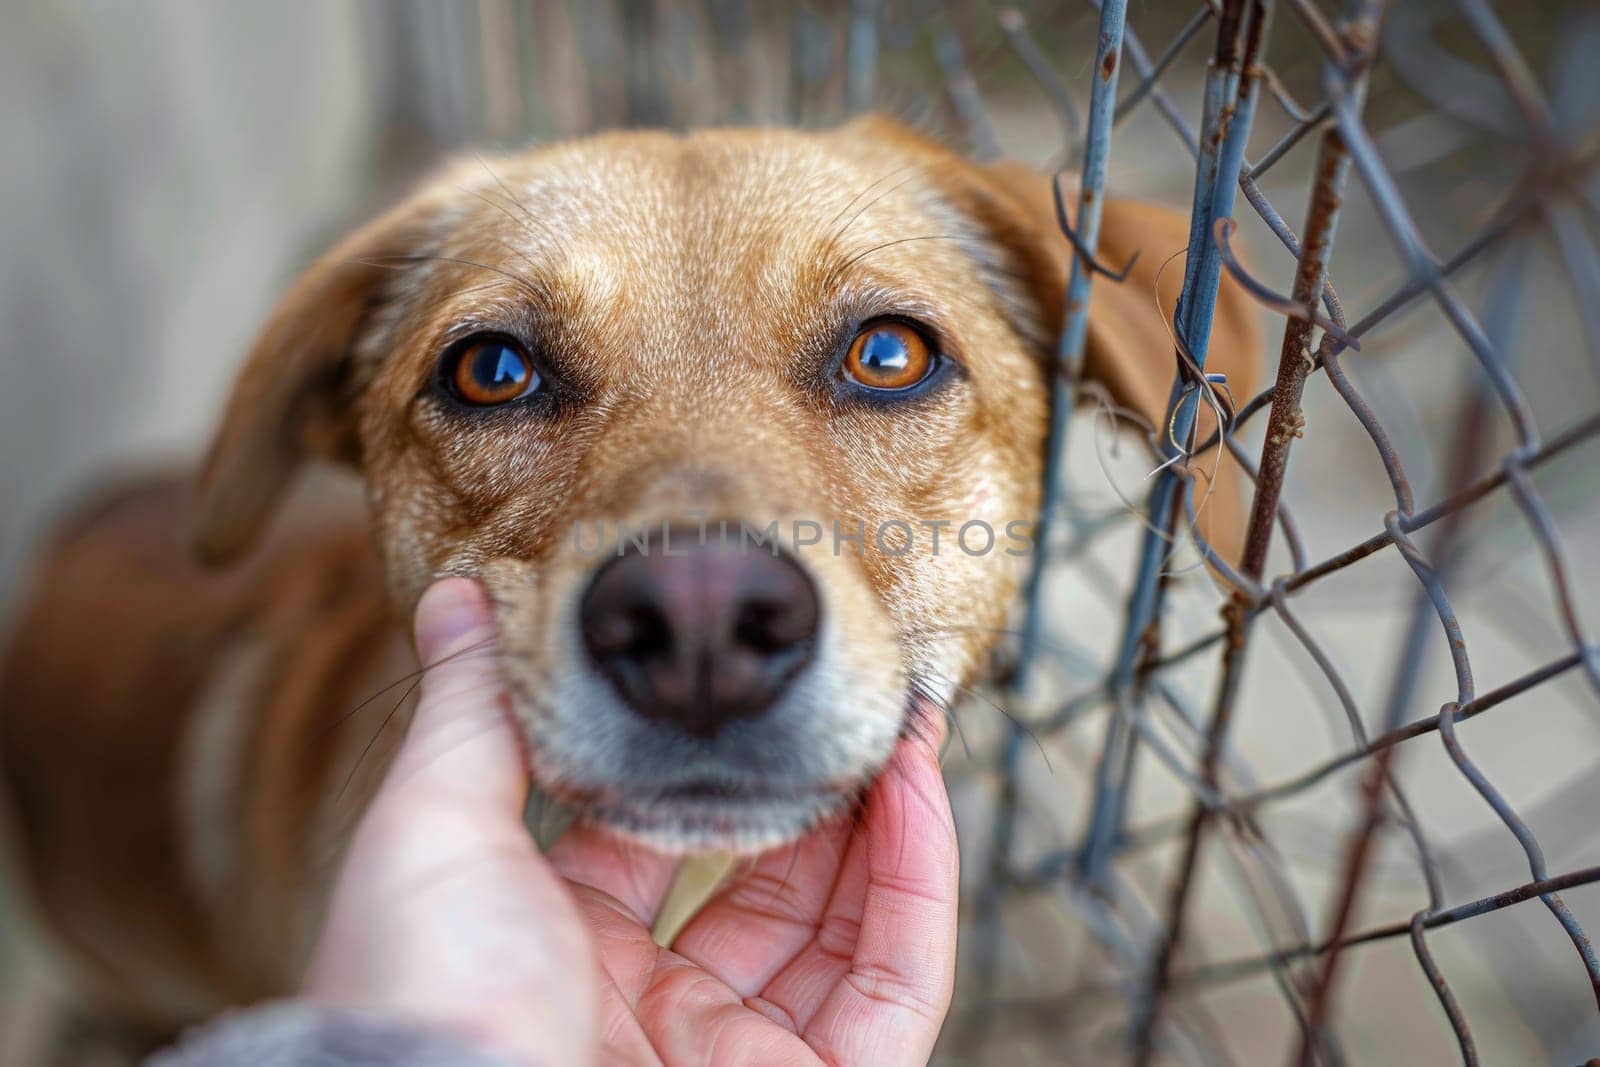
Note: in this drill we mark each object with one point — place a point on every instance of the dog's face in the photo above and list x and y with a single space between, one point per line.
565 373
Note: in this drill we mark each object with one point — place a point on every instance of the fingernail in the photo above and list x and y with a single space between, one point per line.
448 611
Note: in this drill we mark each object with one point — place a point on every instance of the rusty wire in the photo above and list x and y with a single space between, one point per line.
1557 165
1134 882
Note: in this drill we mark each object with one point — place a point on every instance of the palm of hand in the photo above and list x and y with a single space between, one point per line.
832 950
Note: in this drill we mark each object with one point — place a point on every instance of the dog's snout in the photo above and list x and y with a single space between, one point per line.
700 633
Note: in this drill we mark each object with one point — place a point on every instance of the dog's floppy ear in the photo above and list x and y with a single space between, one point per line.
290 400
1130 346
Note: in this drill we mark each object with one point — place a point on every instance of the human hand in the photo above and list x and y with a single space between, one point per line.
839 948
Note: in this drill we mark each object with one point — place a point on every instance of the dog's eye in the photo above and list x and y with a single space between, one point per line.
491 370
888 355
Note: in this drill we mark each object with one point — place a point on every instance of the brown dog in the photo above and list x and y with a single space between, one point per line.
843 333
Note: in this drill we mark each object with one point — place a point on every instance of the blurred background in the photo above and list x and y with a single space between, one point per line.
169 166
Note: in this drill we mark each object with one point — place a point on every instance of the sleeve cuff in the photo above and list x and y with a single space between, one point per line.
298 1034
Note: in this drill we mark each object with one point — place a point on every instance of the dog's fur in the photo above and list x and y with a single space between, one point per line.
179 741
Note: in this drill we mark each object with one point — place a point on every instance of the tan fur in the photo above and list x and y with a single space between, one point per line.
124 649
690 292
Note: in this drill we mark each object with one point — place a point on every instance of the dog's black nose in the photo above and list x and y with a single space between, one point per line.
701 636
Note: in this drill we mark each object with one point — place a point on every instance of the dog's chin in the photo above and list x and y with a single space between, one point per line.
682 826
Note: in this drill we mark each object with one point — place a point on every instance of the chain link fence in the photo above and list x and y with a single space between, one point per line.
1146 921
1164 860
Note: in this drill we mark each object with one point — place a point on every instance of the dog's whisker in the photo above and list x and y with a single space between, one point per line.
350 777
1015 721
837 236
533 222
859 256
400 260
416 678
515 253
404 678
921 689
920 725
865 190
520 223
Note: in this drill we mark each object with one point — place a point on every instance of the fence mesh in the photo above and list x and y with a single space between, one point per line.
1307 962
1131 858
